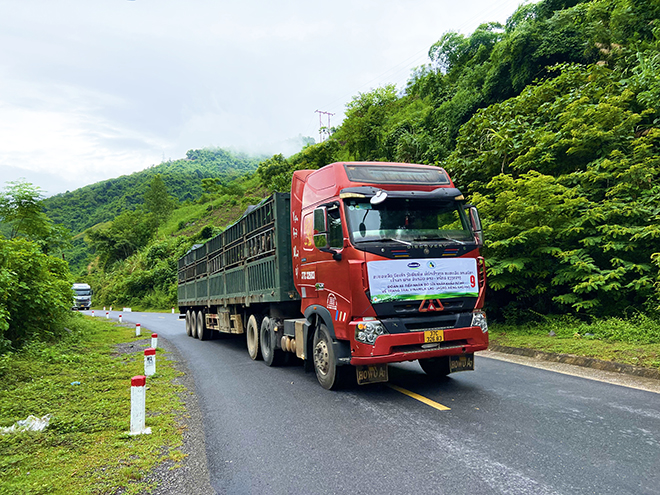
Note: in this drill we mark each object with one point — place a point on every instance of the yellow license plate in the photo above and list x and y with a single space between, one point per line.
434 336
375 373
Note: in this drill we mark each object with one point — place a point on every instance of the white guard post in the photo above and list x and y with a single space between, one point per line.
138 406
149 361
120 318
137 330
107 314
154 340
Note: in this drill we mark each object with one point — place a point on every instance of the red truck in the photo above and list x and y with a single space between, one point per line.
361 265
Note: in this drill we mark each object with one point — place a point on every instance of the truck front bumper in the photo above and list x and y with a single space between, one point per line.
396 348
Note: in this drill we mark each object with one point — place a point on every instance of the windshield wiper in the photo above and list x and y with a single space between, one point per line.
419 239
386 239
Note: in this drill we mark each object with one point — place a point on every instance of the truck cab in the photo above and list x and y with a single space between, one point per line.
386 261
82 298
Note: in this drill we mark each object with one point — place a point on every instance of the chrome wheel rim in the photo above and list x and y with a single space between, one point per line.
321 356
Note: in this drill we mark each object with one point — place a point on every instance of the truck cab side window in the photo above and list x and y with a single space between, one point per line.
335 233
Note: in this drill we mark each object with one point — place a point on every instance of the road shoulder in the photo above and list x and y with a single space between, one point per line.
581 370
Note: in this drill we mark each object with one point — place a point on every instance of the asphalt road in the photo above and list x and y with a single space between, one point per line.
509 429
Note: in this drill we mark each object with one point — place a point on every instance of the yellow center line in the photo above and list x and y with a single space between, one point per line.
420 398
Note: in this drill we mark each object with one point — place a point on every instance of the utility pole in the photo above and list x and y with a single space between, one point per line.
323 130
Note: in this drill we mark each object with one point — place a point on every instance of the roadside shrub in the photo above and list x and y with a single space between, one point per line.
35 293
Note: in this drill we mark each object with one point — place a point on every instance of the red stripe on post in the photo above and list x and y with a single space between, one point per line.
138 381
154 335
150 351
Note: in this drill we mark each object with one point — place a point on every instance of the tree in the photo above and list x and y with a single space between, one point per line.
21 215
123 237
157 200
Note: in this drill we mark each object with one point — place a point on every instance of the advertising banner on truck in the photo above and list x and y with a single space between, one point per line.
406 280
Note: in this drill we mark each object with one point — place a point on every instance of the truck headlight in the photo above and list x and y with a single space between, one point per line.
367 331
479 320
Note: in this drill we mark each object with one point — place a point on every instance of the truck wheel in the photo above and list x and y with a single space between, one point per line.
193 324
252 336
329 375
435 367
272 356
188 326
202 332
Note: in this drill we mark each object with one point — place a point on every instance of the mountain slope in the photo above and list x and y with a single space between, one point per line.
103 201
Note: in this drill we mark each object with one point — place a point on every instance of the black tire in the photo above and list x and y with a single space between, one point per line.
193 324
252 336
202 332
188 324
269 351
329 375
435 367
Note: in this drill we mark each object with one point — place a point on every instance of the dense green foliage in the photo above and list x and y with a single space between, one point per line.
136 256
551 124
35 286
101 202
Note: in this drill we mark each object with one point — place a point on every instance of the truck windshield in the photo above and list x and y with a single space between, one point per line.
82 292
407 220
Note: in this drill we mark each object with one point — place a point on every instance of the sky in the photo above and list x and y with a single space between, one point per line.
96 89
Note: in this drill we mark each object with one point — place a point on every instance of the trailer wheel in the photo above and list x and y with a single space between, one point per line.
193 324
329 375
252 336
271 354
188 324
435 367
202 332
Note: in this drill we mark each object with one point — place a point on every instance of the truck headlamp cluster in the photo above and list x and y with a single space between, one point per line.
367 331
479 320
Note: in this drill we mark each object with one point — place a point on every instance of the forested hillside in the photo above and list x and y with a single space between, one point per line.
103 201
550 124
100 202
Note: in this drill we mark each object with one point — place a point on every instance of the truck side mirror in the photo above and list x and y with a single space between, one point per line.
475 223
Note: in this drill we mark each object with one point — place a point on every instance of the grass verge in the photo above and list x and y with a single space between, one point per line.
86 448
634 340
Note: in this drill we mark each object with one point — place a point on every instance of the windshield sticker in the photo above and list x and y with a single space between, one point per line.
400 280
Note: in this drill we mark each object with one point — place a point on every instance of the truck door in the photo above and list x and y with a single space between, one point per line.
332 281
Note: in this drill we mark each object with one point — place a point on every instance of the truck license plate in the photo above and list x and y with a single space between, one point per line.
461 363
434 336
374 373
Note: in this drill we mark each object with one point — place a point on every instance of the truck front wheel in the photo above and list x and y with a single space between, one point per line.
435 367
252 336
329 375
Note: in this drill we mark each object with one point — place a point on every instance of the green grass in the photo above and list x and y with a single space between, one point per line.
86 448
635 340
